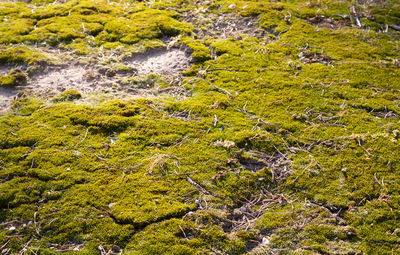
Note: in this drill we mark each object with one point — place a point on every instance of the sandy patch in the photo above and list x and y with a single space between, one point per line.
98 80
224 25
160 61
63 78
6 68
6 98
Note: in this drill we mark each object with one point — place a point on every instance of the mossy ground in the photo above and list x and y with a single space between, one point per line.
284 143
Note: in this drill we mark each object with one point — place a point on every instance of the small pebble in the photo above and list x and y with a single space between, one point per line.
12 228
68 169
265 241
4 250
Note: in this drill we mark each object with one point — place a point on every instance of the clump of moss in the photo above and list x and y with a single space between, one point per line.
21 55
68 95
7 81
15 77
79 46
200 51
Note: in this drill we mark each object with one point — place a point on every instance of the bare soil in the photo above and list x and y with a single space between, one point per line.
224 25
160 61
6 98
6 68
94 79
326 22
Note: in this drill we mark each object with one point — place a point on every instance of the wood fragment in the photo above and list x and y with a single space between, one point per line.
394 27
24 249
215 122
202 190
184 233
4 245
37 229
359 143
97 156
83 139
252 116
220 69
179 142
153 108
217 88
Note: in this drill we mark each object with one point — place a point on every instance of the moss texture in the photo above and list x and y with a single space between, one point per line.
285 143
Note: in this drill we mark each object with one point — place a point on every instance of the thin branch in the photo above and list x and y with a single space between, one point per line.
37 229
359 143
217 88
395 27
83 139
183 233
202 190
252 116
97 156
4 245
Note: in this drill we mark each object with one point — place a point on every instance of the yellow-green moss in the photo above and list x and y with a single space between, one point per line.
324 130
200 51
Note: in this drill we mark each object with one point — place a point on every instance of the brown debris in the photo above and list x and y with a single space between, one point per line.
308 57
328 22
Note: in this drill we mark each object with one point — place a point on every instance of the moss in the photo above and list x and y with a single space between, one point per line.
289 139
200 51
7 81
68 95
15 77
222 46
79 46
26 106
21 55
74 20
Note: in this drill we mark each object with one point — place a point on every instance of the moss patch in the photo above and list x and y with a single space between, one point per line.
287 142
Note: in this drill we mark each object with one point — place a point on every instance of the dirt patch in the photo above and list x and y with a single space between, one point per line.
6 68
6 98
252 164
325 22
160 61
224 25
278 163
95 79
309 57
59 79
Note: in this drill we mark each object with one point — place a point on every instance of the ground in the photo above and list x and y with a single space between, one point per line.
199 127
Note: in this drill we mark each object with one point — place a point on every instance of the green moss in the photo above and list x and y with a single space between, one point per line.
289 138
14 78
26 106
200 51
79 46
21 55
7 81
68 95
